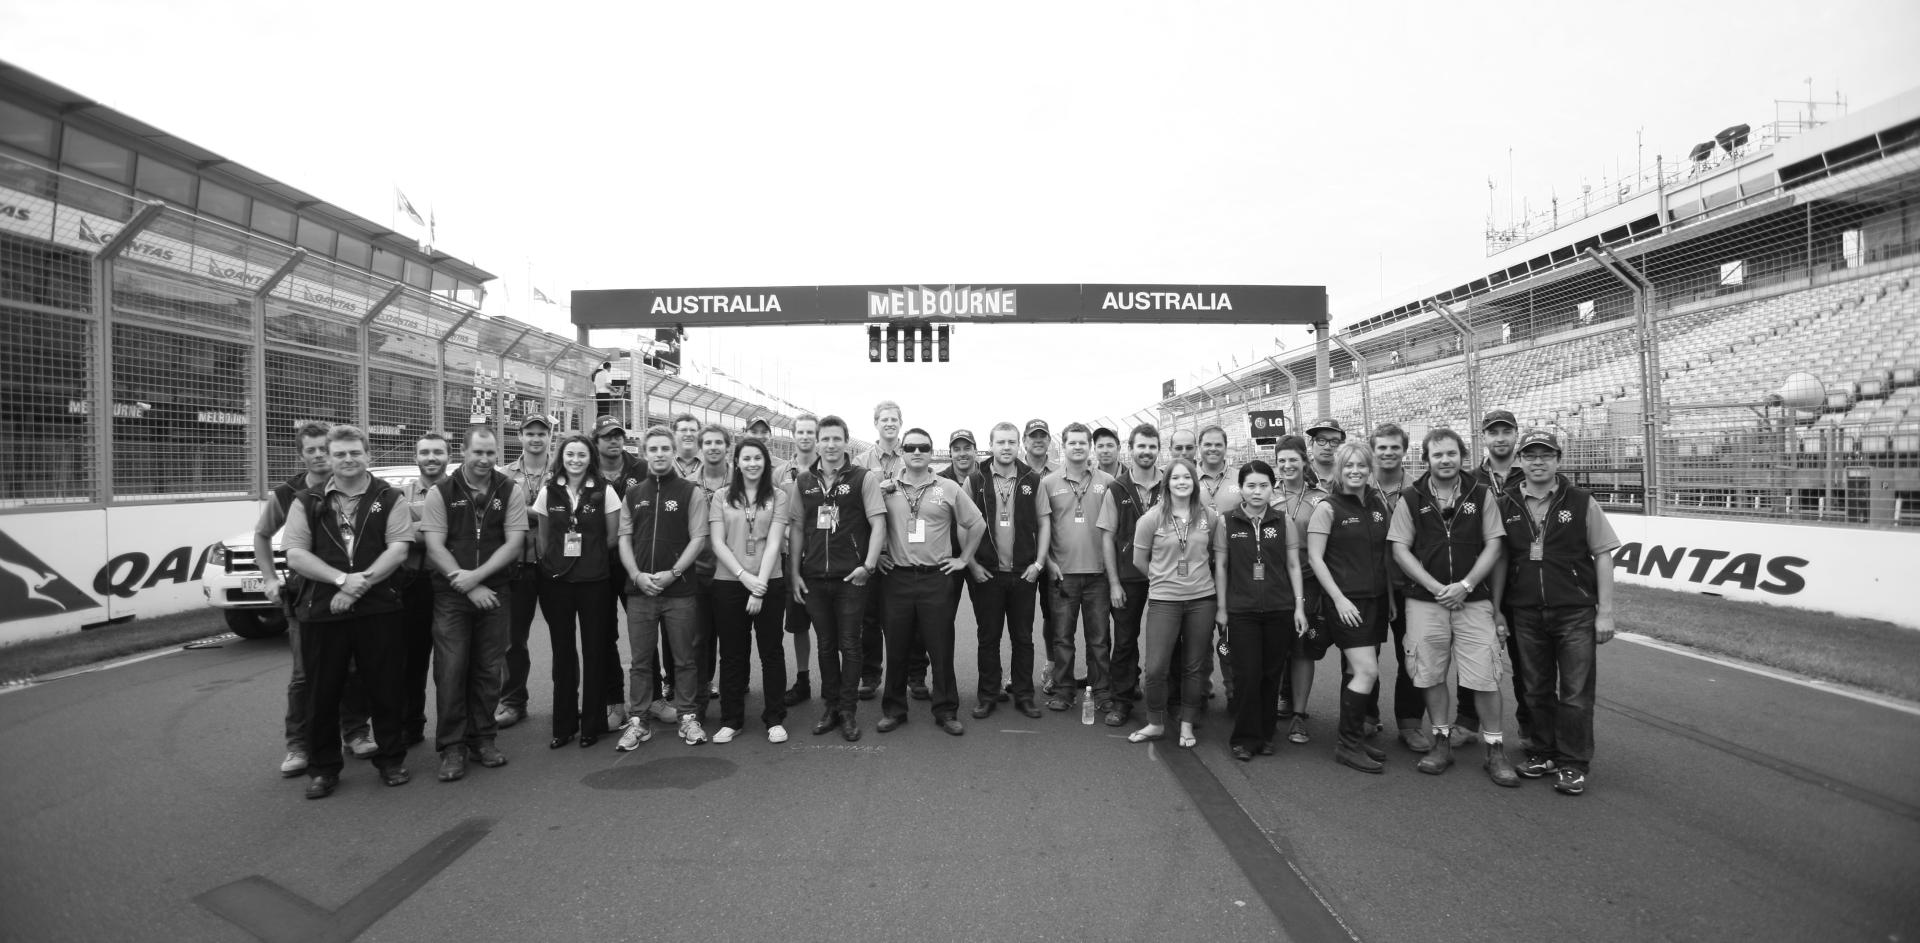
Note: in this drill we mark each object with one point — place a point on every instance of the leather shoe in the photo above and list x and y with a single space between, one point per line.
490 756
953 727
558 742
1115 717
984 709
1058 703
827 721
867 690
396 776
849 728
889 724
321 787
1242 754
588 739
918 692
1375 753
453 763
1266 748
1025 706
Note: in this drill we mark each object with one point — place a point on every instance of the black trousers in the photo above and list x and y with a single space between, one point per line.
577 613
526 585
373 643
1125 673
836 608
416 632
740 632
874 638
1004 604
615 684
919 604
1258 643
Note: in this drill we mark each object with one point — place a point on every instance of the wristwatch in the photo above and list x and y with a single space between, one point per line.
340 581
1467 585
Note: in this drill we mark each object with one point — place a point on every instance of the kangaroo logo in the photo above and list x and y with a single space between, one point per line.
30 588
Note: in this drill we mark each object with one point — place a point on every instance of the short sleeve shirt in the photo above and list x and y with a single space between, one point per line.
1074 505
883 463
745 532
1600 535
1400 531
433 513
1168 551
942 507
1221 492
871 501
697 518
299 535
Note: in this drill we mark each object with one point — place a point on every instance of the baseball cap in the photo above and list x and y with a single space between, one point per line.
607 425
962 434
1497 417
539 419
1104 431
1540 437
761 422
1038 425
1329 424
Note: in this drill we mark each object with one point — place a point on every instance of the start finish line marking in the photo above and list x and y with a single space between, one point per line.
274 914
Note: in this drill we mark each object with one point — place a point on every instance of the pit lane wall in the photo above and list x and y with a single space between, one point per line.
64 571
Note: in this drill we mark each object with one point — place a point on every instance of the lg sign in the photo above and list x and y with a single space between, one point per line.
1268 423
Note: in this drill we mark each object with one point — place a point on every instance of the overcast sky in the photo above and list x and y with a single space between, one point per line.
786 143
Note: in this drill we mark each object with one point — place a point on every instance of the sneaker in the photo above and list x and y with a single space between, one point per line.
724 735
776 734
507 715
633 733
1284 711
363 745
489 755
1534 766
690 730
1297 731
294 764
1569 781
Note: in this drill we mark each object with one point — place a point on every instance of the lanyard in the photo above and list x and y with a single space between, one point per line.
915 496
1003 492
1079 493
1181 527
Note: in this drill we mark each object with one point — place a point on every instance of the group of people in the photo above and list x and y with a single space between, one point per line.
1138 571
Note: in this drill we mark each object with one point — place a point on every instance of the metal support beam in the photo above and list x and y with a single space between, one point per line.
500 388
1323 368
1293 390
1470 352
140 221
280 274
1642 290
1366 389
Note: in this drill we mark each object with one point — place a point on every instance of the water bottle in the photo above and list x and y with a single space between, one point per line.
1086 706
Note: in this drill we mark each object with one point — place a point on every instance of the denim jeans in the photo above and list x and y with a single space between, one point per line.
1125 673
1004 604
1188 625
648 619
526 587
837 609
469 667
1082 598
353 711
1557 657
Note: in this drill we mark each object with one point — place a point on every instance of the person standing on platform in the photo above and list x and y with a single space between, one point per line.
529 472
1500 472
1256 558
1081 560
1172 544
924 513
806 431
1559 586
577 521
1347 547
620 471
430 454
1005 572
836 531
1135 491
1446 537
663 527
884 460
748 528
474 522
346 538
603 388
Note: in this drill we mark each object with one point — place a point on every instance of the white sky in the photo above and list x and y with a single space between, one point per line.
783 143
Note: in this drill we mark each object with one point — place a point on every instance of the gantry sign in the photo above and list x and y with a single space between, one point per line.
857 304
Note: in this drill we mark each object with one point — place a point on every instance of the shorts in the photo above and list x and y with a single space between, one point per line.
798 622
1439 639
1372 629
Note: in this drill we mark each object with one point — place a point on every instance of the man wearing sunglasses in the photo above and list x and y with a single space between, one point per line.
924 512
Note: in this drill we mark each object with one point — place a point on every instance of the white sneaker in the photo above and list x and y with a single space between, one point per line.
294 764
633 733
663 711
776 734
363 746
724 735
691 731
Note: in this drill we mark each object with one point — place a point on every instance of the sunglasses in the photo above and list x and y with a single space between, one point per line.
916 447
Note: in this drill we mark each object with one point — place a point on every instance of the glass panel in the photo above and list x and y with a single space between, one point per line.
416 274
354 252
25 130
273 221
165 181
216 200
89 153
315 237
386 263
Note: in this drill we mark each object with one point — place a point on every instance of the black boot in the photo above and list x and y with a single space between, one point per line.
802 690
1349 752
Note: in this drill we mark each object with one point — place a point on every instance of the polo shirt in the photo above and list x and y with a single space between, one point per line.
1076 545
1600 535
299 535
1221 491
944 508
731 525
415 494
1004 483
433 513
1400 530
531 481
1165 552
886 464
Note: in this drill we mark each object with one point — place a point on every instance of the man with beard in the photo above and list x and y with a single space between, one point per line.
806 431
529 472
620 471
1135 490
1500 471
430 453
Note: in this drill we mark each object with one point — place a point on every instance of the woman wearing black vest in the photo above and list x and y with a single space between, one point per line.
577 517
1256 559
1347 546
746 525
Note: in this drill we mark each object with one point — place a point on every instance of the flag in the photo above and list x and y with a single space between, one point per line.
541 297
432 226
404 205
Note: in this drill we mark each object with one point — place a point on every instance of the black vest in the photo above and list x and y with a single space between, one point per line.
590 523
1565 575
1268 544
475 533
1447 544
1127 512
370 533
631 473
837 552
1357 550
660 511
1026 520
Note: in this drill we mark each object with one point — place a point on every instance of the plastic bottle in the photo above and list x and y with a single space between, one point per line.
1086 706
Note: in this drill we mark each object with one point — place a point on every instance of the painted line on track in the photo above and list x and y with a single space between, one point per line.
1868 697
1301 911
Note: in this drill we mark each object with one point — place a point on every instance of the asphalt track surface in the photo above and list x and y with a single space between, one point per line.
143 803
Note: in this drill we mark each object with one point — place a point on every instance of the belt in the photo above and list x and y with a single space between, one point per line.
904 568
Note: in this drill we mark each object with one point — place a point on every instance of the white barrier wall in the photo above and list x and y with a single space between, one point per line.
1840 570
64 570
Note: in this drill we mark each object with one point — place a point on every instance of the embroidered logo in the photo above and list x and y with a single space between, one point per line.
375 509
670 505
1378 517
1566 516
1470 507
495 505
844 488
1270 532
1026 489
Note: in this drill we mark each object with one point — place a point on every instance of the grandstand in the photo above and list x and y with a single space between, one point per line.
1798 257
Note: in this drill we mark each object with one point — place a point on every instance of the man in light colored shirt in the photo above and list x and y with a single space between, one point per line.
1081 557
530 472
924 513
806 432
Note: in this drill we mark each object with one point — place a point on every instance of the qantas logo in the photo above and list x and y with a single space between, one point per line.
30 588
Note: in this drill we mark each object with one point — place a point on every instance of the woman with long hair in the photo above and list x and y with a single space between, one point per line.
1347 547
748 530
1173 545
1295 500
577 521
1256 559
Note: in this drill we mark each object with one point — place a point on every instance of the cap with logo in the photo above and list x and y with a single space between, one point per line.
607 425
537 419
759 422
1328 425
1038 425
1497 417
1104 431
1541 438
962 435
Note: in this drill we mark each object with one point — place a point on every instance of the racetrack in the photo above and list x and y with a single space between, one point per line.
142 802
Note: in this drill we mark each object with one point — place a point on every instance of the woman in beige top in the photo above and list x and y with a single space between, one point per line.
1173 544
749 528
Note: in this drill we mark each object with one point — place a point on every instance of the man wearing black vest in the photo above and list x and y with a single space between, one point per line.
663 528
1005 572
475 523
837 527
1446 536
346 538
430 454
1558 587
1135 490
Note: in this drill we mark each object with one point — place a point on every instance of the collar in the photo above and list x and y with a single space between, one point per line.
1013 475
1553 487
1221 474
1240 511
333 487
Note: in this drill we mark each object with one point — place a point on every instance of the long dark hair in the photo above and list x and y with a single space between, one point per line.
763 492
558 471
1194 504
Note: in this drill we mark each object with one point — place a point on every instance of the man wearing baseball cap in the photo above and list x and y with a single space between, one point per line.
620 471
1498 431
1558 586
1324 437
529 473
1039 446
759 428
960 471
1039 442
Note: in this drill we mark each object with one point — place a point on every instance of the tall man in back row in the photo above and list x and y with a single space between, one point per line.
1076 500
924 513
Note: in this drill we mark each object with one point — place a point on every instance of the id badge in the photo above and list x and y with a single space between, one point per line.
1079 516
1259 570
1182 568
824 520
1006 519
571 548
1538 551
917 534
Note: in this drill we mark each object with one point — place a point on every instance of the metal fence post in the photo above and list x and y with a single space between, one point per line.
1470 354
1366 390
103 266
1323 368
1649 371
366 354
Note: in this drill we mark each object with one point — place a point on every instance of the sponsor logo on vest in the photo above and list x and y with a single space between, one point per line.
923 302
1782 576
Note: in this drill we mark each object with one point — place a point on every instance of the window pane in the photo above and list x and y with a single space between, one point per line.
25 130
443 284
416 274
221 202
353 251
97 157
165 181
273 221
386 263
315 237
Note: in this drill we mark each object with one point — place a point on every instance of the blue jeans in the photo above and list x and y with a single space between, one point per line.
1082 597
1557 660
647 617
469 667
1004 605
1187 624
